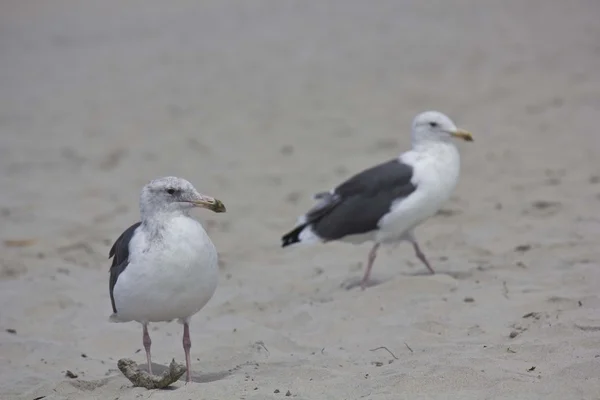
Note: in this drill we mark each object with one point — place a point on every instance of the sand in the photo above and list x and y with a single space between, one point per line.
261 104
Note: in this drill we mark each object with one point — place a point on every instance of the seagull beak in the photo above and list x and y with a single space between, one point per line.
209 202
462 134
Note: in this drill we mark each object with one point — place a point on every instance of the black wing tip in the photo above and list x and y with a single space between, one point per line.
292 237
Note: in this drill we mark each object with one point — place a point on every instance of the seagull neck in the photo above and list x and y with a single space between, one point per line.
163 213
154 222
424 145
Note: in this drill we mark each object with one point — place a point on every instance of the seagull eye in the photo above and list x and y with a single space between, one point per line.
433 124
171 191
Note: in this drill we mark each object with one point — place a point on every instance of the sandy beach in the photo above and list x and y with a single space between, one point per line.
262 104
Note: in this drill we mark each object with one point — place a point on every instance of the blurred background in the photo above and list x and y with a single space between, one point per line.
261 104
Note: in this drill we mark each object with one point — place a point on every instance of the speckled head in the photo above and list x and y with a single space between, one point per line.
435 126
172 194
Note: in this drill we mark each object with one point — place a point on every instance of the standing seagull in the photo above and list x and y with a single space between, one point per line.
385 203
164 267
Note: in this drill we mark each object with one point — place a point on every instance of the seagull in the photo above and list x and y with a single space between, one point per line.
165 266
384 204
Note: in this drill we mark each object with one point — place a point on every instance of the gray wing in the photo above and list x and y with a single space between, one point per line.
357 205
119 252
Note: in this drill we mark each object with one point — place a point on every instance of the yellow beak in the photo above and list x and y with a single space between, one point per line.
462 134
210 203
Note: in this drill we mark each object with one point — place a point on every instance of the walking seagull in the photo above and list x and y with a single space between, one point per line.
164 267
385 203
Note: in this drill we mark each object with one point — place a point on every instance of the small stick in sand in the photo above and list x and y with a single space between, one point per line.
386 349
140 378
505 291
260 343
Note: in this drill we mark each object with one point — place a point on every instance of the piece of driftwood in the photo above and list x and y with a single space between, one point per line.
141 378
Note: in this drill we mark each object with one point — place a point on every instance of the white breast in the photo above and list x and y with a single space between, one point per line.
174 277
435 173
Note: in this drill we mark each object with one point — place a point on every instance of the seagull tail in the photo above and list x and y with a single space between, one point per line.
303 233
113 318
292 236
116 318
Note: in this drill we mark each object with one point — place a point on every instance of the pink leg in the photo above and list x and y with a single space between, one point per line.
147 343
187 345
421 256
372 255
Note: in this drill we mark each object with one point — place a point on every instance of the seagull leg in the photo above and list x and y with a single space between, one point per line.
187 345
147 343
421 256
372 255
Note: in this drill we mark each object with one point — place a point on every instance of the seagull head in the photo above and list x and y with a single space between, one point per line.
435 126
172 194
